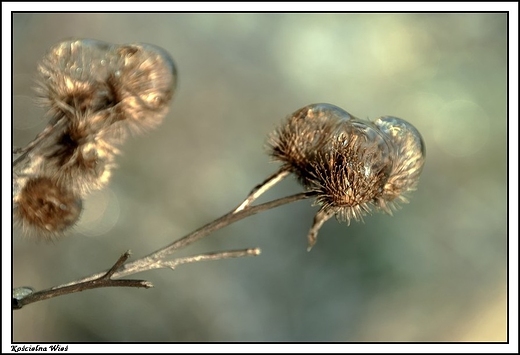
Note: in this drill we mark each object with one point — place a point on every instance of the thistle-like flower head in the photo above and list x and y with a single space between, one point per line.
46 208
408 153
94 93
350 171
133 82
304 134
351 164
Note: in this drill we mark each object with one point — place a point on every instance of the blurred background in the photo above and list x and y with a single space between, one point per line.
435 271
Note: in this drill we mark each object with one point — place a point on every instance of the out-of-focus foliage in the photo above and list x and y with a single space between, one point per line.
436 271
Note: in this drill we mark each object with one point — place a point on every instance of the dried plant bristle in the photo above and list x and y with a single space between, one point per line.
131 82
79 158
350 173
94 92
304 134
45 208
352 165
72 77
408 160
147 80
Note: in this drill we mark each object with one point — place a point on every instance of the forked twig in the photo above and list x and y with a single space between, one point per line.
156 259
105 280
152 260
263 187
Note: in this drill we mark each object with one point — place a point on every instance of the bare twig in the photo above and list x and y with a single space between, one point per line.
172 264
156 259
105 280
211 227
152 261
263 187
320 218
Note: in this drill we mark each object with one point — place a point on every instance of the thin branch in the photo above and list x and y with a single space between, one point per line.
154 260
151 261
105 280
225 220
118 264
172 264
52 128
320 218
263 187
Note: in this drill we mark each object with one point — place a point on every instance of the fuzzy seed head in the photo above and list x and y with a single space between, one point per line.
146 82
78 157
131 83
350 172
72 78
305 133
95 92
45 208
408 157
352 165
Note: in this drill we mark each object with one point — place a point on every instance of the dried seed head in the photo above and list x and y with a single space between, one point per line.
45 208
350 171
98 90
75 154
407 156
145 83
132 83
80 159
72 78
349 163
303 134
94 92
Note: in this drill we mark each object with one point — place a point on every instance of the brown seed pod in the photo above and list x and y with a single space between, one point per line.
408 154
45 208
144 83
303 134
72 78
78 158
132 83
350 171
350 164
94 92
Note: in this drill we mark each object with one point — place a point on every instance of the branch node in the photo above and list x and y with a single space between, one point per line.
122 259
261 188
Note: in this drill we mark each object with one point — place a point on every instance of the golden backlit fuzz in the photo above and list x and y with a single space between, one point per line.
46 208
94 92
147 79
350 173
80 159
408 156
303 135
352 165
132 82
72 77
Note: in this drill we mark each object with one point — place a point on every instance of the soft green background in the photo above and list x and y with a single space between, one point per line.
436 271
